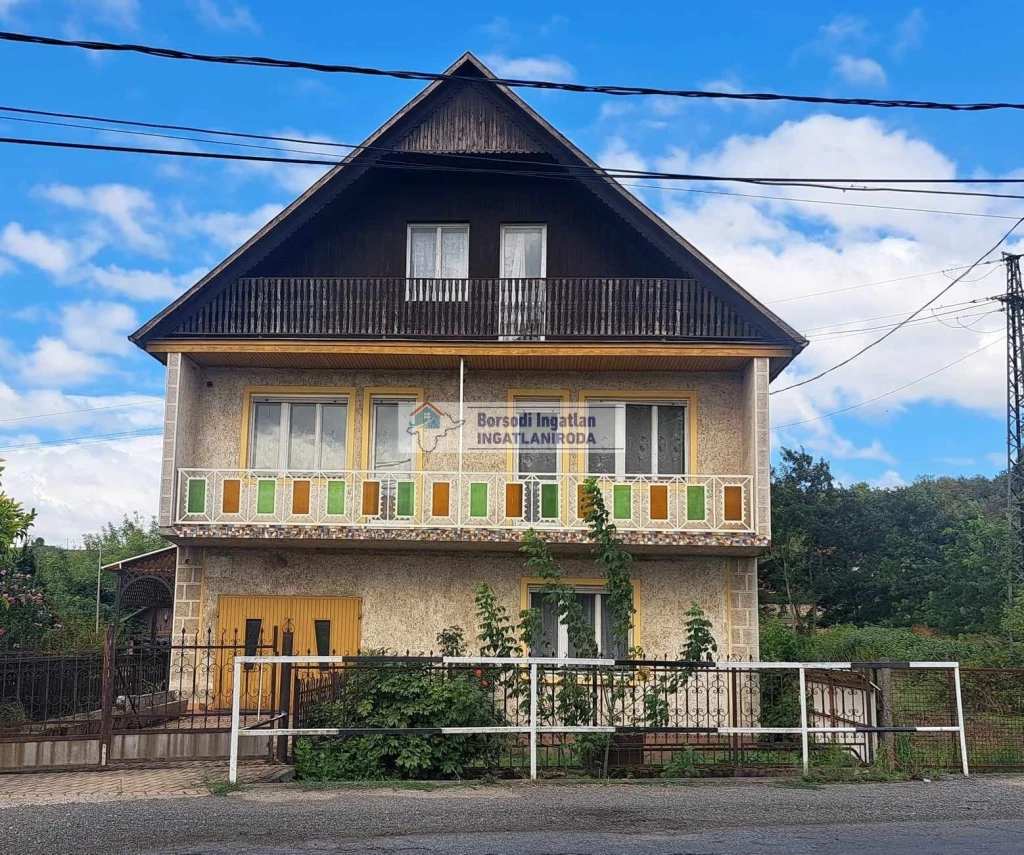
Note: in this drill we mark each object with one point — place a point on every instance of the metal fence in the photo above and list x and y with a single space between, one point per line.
130 689
639 716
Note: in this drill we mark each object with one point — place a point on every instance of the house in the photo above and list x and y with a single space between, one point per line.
371 400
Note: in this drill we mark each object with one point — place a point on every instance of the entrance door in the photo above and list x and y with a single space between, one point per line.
322 626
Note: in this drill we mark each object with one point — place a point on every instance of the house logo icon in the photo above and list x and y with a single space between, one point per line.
430 424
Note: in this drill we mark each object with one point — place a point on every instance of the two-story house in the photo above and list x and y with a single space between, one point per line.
371 400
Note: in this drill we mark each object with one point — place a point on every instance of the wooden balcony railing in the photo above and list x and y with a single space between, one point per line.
482 500
495 309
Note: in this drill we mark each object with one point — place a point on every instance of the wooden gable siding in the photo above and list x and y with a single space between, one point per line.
469 121
365 233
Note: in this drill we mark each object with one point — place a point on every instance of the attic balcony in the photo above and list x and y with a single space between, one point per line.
548 309
716 511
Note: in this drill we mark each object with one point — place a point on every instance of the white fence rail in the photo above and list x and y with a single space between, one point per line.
805 730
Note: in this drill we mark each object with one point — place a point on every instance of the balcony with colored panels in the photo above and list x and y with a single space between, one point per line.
703 512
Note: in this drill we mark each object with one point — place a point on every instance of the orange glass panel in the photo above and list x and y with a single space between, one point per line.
514 500
440 499
659 501
583 507
371 498
231 500
733 503
300 497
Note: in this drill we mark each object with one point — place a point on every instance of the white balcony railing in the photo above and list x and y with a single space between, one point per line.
474 500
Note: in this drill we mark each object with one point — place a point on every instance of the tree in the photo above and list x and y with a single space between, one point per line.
25 616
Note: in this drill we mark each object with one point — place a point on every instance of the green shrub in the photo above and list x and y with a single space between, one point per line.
400 695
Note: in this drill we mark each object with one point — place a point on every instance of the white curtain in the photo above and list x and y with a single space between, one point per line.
423 254
513 264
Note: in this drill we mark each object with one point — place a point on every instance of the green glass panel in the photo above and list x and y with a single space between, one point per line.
335 497
622 501
406 498
548 501
478 499
197 495
695 509
266 493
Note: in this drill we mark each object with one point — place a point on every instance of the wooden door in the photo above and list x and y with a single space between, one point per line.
322 626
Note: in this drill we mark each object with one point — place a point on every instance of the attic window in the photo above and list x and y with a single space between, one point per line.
437 253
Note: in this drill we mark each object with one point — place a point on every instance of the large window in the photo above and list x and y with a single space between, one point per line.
437 252
523 251
554 640
307 434
638 438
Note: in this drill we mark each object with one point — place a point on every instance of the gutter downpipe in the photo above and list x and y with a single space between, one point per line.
462 424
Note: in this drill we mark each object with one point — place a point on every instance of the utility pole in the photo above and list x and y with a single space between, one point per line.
1014 302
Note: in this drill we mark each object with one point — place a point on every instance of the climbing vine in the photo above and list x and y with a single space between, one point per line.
613 560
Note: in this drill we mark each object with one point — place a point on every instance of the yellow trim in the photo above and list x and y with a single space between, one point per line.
249 392
689 398
579 582
468 349
371 392
202 593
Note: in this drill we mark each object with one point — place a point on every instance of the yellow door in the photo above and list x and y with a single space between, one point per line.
322 626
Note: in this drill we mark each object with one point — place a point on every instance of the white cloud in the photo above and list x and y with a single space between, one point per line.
861 69
213 16
614 109
228 228
843 27
130 210
55 363
888 480
617 154
141 284
956 461
910 32
531 67
787 248
68 414
97 327
51 254
119 13
80 488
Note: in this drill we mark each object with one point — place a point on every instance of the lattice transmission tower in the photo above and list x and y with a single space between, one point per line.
1014 302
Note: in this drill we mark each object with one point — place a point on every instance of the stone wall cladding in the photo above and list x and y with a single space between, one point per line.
744 624
721 430
409 597
188 586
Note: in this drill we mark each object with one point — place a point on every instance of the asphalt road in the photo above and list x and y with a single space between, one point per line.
979 816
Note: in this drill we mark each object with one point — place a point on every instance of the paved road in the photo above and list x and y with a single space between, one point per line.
979 816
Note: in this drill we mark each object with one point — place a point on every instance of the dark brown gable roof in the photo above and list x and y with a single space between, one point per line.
449 117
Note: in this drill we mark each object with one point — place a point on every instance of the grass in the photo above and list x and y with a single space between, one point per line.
222 788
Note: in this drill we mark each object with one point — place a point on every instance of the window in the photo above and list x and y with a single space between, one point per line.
554 641
638 439
392 447
437 252
298 435
524 252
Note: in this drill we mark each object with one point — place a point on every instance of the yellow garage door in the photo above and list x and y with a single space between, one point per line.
322 626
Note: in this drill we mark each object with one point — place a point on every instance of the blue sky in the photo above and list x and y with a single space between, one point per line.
91 244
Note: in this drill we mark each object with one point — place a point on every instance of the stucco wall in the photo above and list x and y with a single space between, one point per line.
721 412
409 596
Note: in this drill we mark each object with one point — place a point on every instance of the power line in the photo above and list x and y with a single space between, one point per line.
518 83
903 323
87 439
349 146
880 282
84 410
960 310
917 322
891 391
207 155
895 315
